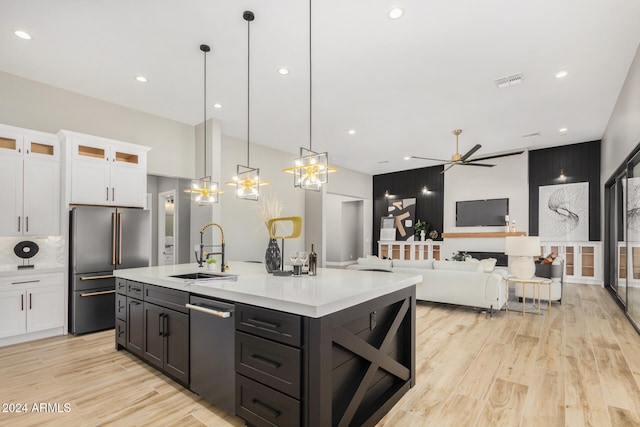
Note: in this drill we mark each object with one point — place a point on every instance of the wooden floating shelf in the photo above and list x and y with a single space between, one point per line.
489 234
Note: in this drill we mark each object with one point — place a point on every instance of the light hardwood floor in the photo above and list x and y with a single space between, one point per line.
579 366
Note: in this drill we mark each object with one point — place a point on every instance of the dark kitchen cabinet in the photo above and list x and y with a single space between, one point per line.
166 340
135 326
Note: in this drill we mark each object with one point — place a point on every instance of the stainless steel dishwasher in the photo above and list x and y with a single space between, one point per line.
212 345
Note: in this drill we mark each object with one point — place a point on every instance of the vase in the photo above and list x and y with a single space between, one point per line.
422 235
272 257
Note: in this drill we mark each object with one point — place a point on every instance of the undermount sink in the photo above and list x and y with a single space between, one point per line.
206 276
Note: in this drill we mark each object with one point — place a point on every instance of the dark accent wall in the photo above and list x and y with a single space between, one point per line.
407 184
580 162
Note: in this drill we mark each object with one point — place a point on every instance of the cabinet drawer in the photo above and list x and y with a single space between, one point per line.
283 327
135 289
121 307
168 298
31 280
268 362
121 332
262 406
121 286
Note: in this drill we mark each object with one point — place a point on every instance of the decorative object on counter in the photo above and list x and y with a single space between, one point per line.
313 261
269 207
513 226
247 179
296 263
26 250
201 257
523 249
460 256
204 191
296 223
506 223
311 170
422 227
211 264
433 234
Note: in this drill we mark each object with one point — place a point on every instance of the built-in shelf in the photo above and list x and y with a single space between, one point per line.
488 234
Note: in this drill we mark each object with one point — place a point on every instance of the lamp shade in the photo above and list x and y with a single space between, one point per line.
522 246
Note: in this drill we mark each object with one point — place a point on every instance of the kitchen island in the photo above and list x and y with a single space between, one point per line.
333 349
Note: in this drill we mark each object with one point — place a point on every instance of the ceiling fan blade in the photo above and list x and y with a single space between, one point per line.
477 164
515 153
470 152
448 167
429 158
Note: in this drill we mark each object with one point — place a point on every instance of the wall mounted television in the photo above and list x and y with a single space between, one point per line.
473 213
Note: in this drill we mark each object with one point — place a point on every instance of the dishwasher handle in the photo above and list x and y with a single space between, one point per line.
217 313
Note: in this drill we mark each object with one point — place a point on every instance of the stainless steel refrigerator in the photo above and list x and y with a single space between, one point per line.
101 240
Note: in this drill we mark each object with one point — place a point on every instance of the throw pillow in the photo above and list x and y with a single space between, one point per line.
406 263
488 264
457 266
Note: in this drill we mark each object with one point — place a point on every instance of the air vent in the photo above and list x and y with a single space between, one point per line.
531 135
509 81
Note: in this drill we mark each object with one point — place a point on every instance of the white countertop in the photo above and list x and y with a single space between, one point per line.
330 291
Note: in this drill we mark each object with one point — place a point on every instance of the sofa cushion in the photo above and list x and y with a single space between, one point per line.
406 263
374 262
457 266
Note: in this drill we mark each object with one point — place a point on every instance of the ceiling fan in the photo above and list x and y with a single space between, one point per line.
457 159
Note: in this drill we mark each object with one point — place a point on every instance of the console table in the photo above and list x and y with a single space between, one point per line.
409 250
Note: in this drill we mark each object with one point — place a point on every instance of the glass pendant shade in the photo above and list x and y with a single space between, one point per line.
247 182
311 170
204 191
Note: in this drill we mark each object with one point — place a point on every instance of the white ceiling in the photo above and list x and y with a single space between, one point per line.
403 85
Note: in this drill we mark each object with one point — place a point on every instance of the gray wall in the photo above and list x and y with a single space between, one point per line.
32 105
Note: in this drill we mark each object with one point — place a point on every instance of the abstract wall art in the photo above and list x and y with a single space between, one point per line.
564 212
404 212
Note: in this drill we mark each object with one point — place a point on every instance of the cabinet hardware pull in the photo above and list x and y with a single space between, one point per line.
107 193
92 294
27 224
134 302
135 289
120 241
265 324
30 300
113 234
22 302
160 324
109 276
113 194
266 361
25 281
19 223
223 314
268 409
165 325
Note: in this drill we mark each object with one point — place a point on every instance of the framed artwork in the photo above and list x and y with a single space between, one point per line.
404 213
564 212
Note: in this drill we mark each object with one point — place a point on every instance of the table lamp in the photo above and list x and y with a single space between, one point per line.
522 249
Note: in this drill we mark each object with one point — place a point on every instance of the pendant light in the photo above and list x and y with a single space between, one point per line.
311 169
204 191
247 179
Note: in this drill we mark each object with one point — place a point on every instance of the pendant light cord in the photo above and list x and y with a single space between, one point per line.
310 85
248 84
205 113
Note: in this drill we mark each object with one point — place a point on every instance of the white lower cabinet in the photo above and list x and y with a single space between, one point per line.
582 260
31 307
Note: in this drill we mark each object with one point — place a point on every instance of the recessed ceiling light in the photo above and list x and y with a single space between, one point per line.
563 130
217 105
396 13
22 34
561 74
283 71
351 131
142 79
407 157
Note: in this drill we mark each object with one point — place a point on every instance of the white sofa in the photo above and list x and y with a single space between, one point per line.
451 282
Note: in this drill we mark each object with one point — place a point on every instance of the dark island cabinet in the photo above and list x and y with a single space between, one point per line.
153 323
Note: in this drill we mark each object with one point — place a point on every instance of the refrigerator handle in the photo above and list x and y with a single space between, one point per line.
120 239
113 236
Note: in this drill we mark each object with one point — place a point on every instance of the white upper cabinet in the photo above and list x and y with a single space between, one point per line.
30 176
104 171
